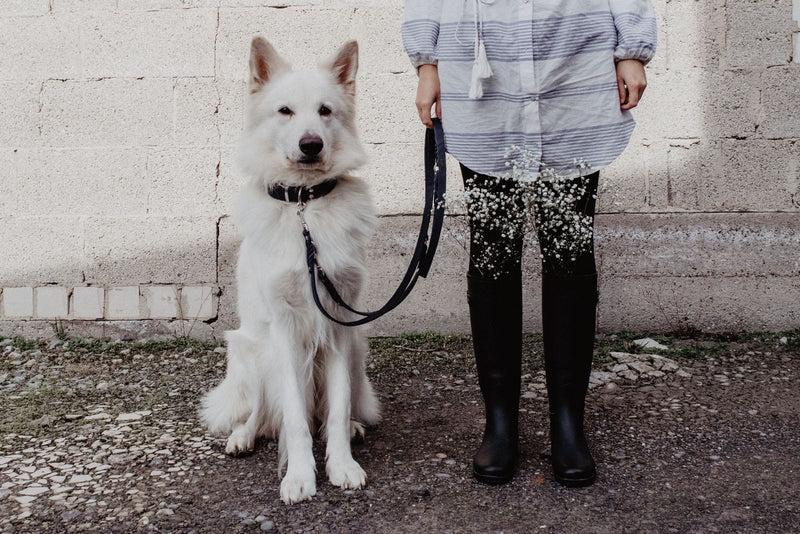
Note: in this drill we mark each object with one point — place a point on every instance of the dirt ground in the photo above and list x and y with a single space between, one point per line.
103 437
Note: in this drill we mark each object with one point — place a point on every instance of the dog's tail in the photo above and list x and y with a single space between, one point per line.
229 404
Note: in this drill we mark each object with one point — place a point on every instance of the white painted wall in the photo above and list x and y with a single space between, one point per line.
120 117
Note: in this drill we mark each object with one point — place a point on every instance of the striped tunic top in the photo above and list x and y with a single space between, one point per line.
553 89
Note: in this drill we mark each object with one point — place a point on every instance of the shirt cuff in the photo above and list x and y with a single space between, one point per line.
642 53
417 60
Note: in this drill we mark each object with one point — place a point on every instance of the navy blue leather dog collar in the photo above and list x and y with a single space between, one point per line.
301 193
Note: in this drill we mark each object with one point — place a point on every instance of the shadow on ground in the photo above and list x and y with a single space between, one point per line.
103 437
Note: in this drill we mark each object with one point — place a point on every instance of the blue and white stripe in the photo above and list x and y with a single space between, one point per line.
553 89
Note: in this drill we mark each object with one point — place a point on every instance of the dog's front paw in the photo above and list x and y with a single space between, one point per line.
240 441
346 474
357 431
298 486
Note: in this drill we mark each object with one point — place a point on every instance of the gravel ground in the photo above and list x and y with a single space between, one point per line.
700 437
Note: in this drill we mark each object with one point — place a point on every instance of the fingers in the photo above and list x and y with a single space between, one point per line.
623 92
424 112
631 81
634 94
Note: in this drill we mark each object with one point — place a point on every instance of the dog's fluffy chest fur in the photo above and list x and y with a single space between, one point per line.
273 248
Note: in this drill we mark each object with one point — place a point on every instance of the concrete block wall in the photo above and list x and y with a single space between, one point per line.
117 166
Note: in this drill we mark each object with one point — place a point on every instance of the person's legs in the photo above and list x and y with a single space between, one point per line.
494 292
569 302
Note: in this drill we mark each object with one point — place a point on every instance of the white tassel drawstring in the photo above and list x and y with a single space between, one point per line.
481 70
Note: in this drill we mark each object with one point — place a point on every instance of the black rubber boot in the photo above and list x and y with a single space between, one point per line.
495 308
569 304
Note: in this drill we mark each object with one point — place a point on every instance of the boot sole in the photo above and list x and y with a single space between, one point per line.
576 482
492 480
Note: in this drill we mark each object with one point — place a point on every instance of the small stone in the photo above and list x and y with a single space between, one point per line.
72 416
784 340
25 500
221 350
77 479
648 343
45 420
683 374
441 455
34 490
98 416
134 416
164 512
641 367
70 515
267 525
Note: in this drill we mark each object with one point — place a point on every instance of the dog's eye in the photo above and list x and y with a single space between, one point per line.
325 111
285 111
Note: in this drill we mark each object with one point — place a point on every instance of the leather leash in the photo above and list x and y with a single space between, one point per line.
432 219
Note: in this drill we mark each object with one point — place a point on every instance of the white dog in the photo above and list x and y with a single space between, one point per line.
289 369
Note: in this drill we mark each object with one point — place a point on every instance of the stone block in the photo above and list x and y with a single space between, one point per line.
286 29
438 303
60 6
88 302
181 181
230 181
735 175
671 105
123 303
76 182
52 302
695 33
396 175
780 100
39 48
699 244
624 184
117 112
377 28
709 304
151 250
17 302
758 33
378 122
163 43
197 106
41 250
231 109
198 303
25 8
19 124
160 302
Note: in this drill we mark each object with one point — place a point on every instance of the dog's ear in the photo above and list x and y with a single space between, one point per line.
345 65
265 63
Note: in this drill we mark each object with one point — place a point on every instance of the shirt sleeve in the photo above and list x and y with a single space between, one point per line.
637 30
421 30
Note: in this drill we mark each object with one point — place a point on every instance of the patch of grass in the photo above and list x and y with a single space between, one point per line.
88 344
170 344
20 343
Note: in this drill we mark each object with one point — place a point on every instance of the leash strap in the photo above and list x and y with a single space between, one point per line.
422 259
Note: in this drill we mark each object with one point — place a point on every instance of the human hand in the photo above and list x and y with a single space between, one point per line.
428 94
631 81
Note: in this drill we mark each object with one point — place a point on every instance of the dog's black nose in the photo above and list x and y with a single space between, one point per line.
311 145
